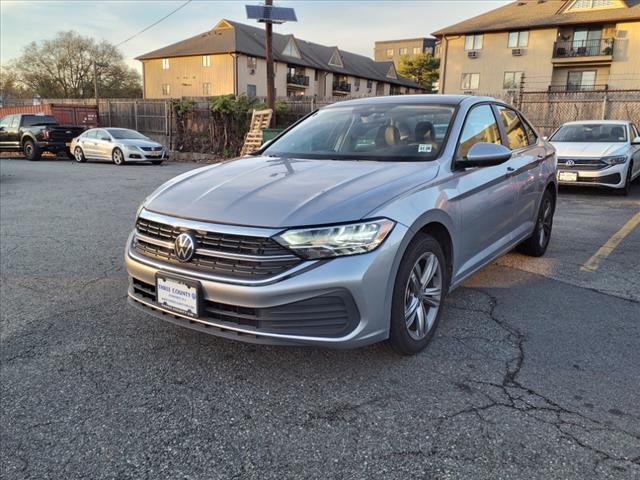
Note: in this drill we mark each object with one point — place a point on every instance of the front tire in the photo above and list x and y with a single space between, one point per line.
418 295
31 151
117 156
626 190
536 245
78 154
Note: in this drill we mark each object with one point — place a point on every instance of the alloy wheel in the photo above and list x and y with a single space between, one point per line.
78 154
118 159
423 295
545 222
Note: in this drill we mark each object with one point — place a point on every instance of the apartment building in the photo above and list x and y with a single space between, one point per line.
557 45
394 50
229 59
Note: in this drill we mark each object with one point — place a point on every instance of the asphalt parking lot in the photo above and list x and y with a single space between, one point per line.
533 374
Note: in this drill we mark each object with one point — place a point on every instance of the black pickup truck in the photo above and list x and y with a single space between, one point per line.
35 134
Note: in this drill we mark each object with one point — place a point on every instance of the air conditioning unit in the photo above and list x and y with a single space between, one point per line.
517 52
468 92
473 54
252 71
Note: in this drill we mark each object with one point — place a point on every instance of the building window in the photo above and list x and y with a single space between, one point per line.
165 64
356 84
336 59
470 81
206 60
206 89
512 80
417 50
252 62
291 50
389 52
581 80
473 42
518 39
166 89
251 90
403 51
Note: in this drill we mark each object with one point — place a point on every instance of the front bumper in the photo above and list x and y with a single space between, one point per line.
144 156
612 177
365 282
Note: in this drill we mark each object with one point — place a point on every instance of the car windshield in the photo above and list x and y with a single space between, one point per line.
390 132
125 134
34 120
592 132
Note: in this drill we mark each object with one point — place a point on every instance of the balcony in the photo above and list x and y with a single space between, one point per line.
297 80
342 87
583 51
578 88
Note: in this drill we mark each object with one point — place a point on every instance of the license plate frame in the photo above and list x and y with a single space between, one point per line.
182 304
568 176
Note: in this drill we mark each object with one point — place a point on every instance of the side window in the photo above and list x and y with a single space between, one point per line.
91 134
101 133
15 121
513 127
480 126
6 121
531 134
634 129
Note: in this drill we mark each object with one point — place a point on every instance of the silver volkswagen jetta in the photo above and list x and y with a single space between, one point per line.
350 227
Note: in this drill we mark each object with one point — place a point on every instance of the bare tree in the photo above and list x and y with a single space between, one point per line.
63 68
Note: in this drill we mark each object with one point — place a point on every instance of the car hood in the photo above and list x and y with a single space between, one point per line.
138 143
279 192
588 150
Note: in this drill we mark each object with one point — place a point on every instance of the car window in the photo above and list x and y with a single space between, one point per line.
531 133
15 121
479 126
636 134
6 121
100 134
91 134
591 133
381 132
516 134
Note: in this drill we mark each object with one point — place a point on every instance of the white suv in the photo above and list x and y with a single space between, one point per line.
604 153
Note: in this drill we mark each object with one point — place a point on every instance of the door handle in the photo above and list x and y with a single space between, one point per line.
541 156
511 169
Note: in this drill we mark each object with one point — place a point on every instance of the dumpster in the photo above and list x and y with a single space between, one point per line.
270 133
65 113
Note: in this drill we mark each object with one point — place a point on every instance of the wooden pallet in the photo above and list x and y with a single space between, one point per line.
260 119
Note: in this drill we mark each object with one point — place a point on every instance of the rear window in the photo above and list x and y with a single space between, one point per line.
591 132
31 120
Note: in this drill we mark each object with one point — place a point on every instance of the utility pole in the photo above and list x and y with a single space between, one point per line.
268 43
95 87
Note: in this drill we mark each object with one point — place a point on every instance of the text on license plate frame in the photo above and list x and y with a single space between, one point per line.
568 176
169 296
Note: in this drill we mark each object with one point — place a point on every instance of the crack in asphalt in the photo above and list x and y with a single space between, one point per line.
511 386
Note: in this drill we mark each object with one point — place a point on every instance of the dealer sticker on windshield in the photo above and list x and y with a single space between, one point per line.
425 148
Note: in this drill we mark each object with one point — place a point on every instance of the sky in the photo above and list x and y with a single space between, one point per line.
351 25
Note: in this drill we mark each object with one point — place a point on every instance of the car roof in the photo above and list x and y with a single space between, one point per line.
452 100
590 122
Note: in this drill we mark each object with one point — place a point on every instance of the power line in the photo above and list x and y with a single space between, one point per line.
155 23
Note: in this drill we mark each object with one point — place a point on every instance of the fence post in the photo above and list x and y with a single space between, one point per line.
135 113
605 101
109 112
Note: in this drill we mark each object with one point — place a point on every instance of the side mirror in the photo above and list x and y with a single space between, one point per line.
636 141
485 154
1 129
106 139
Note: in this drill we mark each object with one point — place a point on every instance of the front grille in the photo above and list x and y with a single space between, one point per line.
330 315
151 149
234 256
612 179
582 163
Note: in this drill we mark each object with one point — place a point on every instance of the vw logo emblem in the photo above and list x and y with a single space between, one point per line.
570 163
185 246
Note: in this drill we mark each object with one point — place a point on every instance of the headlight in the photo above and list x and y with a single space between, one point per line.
338 240
131 148
617 160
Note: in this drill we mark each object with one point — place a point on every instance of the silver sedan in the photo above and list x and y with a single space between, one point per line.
349 228
119 145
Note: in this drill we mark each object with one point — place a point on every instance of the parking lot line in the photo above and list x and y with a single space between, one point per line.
605 250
